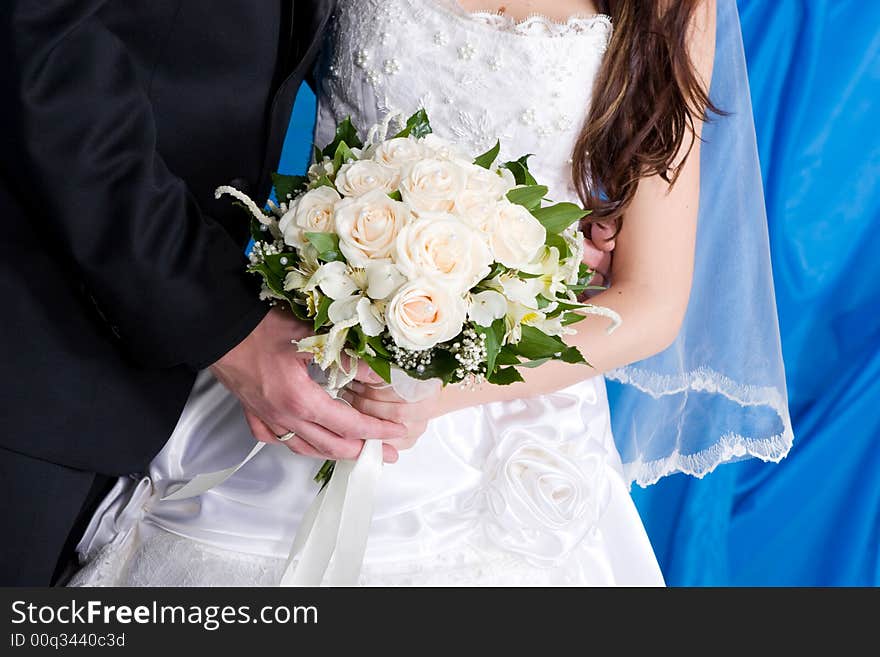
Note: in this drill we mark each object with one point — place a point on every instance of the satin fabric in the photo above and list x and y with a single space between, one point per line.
813 520
445 513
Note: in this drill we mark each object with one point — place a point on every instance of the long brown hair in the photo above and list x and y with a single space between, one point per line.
646 101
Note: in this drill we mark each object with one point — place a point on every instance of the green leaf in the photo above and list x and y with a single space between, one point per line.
505 376
417 126
442 366
529 197
564 306
557 241
573 356
343 154
327 245
287 187
396 195
536 344
535 363
345 132
317 155
520 170
507 356
379 365
556 218
323 181
321 317
572 318
497 269
487 159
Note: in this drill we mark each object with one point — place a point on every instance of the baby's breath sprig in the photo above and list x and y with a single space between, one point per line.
262 250
470 352
408 359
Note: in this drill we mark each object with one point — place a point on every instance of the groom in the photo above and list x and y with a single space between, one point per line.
122 276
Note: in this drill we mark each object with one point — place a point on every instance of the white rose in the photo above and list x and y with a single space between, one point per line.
398 152
476 209
368 226
441 149
494 184
544 497
422 315
358 178
443 249
432 185
516 236
310 213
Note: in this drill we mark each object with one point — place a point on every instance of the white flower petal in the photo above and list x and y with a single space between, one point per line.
383 279
369 317
335 280
486 307
343 310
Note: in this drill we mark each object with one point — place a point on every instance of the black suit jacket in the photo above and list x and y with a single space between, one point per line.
120 274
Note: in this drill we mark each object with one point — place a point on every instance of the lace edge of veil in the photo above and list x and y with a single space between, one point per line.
729 447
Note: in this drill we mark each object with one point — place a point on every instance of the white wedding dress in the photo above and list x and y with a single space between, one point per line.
528 492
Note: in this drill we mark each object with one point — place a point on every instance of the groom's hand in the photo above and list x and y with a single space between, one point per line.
270 377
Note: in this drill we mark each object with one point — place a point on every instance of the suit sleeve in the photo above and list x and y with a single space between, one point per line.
82 155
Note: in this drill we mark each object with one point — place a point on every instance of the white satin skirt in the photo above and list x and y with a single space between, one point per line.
528 492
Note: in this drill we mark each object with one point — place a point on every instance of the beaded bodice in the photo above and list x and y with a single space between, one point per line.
480 76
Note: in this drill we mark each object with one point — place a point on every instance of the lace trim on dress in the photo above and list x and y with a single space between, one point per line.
536 25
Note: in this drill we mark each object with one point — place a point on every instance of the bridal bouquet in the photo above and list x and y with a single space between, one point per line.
404 252
429 265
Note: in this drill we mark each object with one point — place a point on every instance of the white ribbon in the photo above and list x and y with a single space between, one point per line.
331 541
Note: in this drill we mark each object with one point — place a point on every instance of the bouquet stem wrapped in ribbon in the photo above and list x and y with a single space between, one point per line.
431 266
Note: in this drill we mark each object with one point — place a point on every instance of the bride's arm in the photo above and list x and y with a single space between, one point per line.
653 268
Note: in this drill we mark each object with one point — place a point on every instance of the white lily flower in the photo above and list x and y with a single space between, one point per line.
551 275
359 294
486 307
519 290
336 280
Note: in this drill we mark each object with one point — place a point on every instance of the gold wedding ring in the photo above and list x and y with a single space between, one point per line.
287 436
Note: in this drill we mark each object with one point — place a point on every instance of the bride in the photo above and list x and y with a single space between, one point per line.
520 485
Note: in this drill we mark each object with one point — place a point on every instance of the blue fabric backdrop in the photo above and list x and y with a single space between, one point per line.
815 518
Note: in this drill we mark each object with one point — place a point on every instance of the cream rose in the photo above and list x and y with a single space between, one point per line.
310 213
443 249
494 184
397 153
423 314
432 185
544 497
476 209
441 149
516 236
368 226
358 178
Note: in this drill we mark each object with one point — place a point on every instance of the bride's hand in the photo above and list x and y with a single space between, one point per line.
598 247
380 401
271 380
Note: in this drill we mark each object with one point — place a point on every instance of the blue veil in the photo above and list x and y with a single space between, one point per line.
718 393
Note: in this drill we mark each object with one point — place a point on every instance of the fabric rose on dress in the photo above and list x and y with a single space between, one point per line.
310 213
432 185
544 497
368 226
444 249
358 178
517 238
423 314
